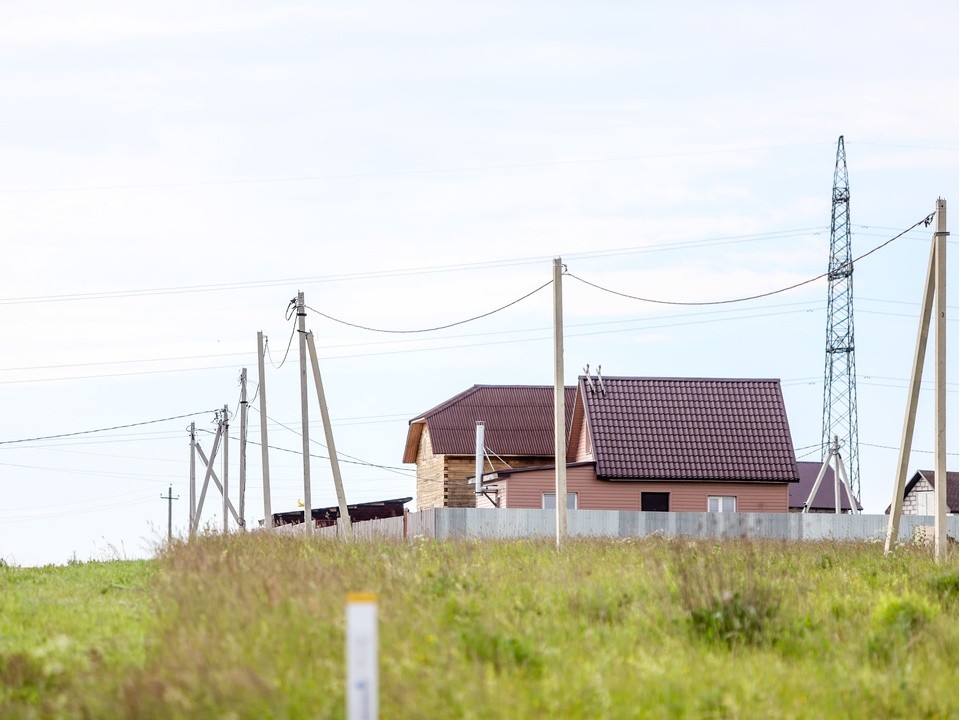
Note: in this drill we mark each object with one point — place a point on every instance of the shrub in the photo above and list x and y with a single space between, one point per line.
723 593
944 588
897 622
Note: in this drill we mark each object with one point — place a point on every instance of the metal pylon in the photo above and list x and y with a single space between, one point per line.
840 370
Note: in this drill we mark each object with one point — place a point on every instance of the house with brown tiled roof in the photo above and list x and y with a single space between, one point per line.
518 433
825 500
666 444
918 493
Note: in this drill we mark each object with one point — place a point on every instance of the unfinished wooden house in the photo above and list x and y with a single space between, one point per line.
518 432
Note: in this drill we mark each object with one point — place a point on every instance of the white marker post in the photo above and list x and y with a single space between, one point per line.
363 692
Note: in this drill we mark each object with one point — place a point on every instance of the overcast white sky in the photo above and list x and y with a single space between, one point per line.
171 174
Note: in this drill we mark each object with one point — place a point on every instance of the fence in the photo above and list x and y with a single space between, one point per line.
509 524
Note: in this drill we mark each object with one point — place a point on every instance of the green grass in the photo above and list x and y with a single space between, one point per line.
252 627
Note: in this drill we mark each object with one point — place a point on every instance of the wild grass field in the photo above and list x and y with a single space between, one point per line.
252 626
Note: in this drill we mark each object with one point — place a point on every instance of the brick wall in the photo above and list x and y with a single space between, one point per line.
911 506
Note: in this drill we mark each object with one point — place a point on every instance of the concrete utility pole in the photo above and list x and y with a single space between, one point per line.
304 415
193 480
264 453
169 498
226 466
559 409
934 287
345 523
243 448
940 382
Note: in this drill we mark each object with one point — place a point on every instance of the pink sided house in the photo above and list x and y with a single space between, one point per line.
666 444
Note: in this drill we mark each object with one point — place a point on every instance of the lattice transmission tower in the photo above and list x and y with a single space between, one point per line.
840 371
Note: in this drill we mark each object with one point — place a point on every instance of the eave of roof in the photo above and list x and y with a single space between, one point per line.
518 418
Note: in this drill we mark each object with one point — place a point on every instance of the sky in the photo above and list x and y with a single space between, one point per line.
173 173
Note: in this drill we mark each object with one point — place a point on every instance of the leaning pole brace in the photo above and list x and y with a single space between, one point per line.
206 479
934 286
216 481
331 446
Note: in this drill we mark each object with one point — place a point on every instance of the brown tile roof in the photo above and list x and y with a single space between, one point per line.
518 421
824 500
689 429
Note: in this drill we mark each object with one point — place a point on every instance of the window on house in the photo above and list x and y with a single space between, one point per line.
722 503
550 501
655 501
926 504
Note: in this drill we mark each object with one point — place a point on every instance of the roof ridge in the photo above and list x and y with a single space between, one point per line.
710 379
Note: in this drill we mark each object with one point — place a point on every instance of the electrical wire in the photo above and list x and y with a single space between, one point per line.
438 327
925 221
396 173
293 331
894 447
356 460
99 430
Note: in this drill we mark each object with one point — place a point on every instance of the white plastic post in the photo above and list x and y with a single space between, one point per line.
478 459
362 654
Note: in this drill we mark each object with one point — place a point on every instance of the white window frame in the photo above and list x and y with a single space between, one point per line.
721 502
553 497
926 502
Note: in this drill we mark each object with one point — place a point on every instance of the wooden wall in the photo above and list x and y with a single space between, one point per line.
526 491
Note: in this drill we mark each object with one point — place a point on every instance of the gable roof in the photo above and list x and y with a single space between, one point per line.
953 479
688 429
824 499
518 421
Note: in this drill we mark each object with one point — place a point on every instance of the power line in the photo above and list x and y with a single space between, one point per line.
925 221
399 173
438 327
355 459
293 331
99 430
894 447
403 272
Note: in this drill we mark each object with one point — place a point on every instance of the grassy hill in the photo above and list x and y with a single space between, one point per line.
251 626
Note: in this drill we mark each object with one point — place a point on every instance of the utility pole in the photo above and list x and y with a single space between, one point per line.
193 480
169 498
345 523
934 289
559 409
304 415
264 455
243 447
940 384
840 367
226 454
